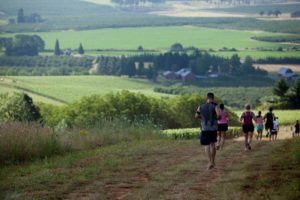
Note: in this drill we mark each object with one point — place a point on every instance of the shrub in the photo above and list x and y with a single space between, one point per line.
18 107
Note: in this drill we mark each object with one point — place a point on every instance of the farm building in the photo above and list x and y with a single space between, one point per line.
188 76
287 74
169 75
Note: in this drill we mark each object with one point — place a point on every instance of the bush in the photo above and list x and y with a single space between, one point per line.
176 112
18 107
193 133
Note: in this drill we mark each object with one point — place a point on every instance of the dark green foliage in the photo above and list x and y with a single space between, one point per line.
18 107
177 47
231 96
44 65
293 95
295 14
80 49
170 113
280 88
82 15
273 60
20 17
284 38
57 50
23 45
289 96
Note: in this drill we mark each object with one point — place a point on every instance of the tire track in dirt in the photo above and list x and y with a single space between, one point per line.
183 169
134 176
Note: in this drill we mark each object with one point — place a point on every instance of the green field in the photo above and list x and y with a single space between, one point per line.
71 88
156 38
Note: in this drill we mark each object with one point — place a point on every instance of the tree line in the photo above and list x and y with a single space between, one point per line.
176 112
200 63
131 3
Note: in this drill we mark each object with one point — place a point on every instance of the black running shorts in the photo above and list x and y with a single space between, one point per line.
248 128
208 137
222 127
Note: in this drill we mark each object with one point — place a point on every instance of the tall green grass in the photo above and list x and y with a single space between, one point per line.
20 142
192 133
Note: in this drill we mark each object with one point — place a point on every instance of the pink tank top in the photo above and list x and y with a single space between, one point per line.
223 118
259 120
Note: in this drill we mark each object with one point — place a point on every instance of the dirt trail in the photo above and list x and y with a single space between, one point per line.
178 174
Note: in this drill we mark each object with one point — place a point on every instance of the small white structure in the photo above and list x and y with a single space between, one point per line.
185 74
287 74
169 75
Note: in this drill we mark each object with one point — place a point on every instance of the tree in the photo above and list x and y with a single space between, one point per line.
247 67
140 48
177 47
57 51
276 13
280 89
21 17
235 63
80 49
293 95
24 45
18 107
261 13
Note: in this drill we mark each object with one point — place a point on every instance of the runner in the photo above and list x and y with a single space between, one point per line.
222 127
297 128
247 118
274 130
269 118
209 114
259 125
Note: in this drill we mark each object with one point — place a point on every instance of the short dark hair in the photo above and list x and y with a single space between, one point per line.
210 95
222 106
247 107
270 109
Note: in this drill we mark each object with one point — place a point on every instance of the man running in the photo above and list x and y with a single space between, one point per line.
274 130
297 128
269 118
222 127
259 125
247 118
209 114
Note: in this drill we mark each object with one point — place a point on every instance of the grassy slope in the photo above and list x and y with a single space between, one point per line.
71 88
159 169
156 38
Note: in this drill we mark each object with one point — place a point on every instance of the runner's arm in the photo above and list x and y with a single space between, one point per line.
218 111
254 117
197 114
242 117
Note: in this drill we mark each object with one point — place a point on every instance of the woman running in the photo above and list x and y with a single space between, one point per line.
222 127
247 118
269 118
259 125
